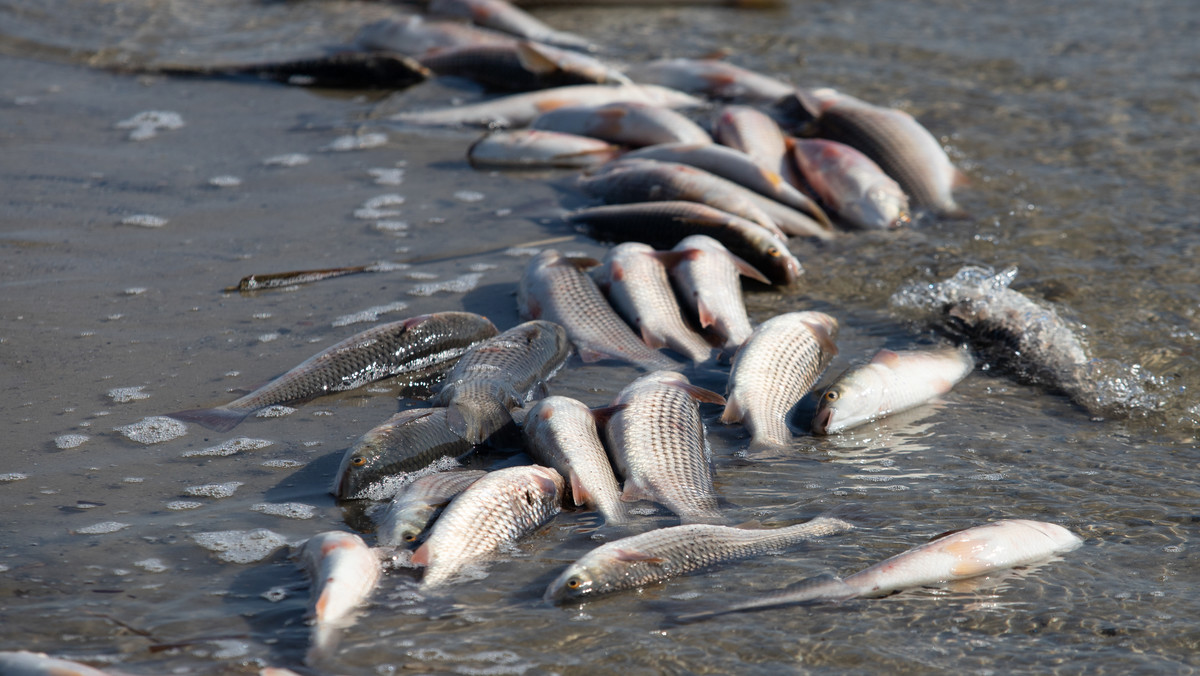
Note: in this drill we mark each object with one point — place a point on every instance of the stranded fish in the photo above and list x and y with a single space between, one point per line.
709 283
411 510
25 663
498 509
555 288
679 550
959 555
503 16
890 383
534 149
339 70
713 78
406 442
344 572
756 134
659 446
501 374
416 37
850 184
521 66
627 123
775 368
419 347
560 432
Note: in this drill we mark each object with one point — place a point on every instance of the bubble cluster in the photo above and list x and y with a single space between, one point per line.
370 314
224 181
282 463
144 220
287 160
469 196
230 447
70 441
124 395
13 476
276 411
288 510
101 528
240 546
460 284
146 125
151 565
213 490
181 505
357 142
153 430
387 176
376 207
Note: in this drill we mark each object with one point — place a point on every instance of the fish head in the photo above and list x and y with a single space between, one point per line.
576 583
854 398
1062 539
359 467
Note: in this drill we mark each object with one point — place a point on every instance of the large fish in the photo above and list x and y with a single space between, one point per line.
560 432
659 446
534 149
709 281
665 553
497 510
890 383
555 287
663 224
959 555
411 510
25 663
521 66
713 78
503 16
850 184
627 123
775 368
420 348
409 441
500 374
344 572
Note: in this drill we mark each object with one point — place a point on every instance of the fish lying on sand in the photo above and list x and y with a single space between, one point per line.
417 504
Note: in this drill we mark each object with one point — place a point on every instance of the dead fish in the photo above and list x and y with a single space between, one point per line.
278 280
756 134
407 442
665 553
418 37
634 276
561 432
505 17
890 383
521 66
25 663
500 374
555 287
419 348
958 555
518 110
850 184
498 509
533 149
339 70
659 446
417 504
627 123
774 369
712 78
344 572
663 224
708 279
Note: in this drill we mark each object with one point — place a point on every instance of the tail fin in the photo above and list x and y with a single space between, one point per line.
826 587
220 418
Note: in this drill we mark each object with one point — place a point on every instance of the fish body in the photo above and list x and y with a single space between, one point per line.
344 571
411 510
521 66
26 663
774 369
500 374
665 553
418 37
533 148
756 134
663 224
708 279
890 383
409 441
561 432
505 17
497 510
635 279
713 78
554 288
851 184
418 348
659 446
627 123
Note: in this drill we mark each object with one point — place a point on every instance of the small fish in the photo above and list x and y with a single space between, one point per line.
278 280
418 347
498 509
659 446
958 555
418 37
521 66
712 78
555 287
534 149
708 279
627 123
635 278
503 16
25 663
890 383
417 504
344 572
665 553
560 432
774 369
663 224
406 442
850 184
339 70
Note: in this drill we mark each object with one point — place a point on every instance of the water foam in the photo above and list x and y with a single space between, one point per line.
145 220
215 491
287 160
370 314
288 510
224 181
71 440
240 546
230 447
461 284
276 411
124 395
101 528
385 176
153 430
146 125
350 142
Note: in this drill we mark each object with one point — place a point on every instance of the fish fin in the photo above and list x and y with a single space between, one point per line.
531 308
733 411
700 394
546 484
412 322
634 556
583 263
579 494
616 272
670 259
823 337
588 355
605 413
651 339
421 556
632 491
707 318
886 357
535 60
745 269
959 179
220 419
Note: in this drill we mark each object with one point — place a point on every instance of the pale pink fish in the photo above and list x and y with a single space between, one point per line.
959 555
344 571
627 123
890 383
518 110
709 280
533 148
713 78
774 369
504 16
25 663
417 37
851 184
634 276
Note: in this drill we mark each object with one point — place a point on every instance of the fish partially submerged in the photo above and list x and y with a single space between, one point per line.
708 279
626 123
416 505
419 348
26 663
344 571
521 66
535 148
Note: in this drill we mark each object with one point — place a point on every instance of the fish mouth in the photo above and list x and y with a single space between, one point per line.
822 420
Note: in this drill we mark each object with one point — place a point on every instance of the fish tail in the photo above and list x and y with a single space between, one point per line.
477 419
221 419
826 587
322 643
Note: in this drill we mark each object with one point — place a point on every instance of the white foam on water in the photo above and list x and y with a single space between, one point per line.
151 565
135 291
375 214
482 267
287 160
232 374
357 142
181 505
393 227
460 284
145 220
213 490
227 649
71 440
469 196
282 463
417 274
288 510
386 266
225 181
386 176
276 411
275 594
521 251
370 314
101 528
147 124
262 315
240 546
230 447
153 430
267 337
124 395
133 480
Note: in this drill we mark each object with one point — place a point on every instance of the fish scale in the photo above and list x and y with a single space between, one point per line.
408 441
411 510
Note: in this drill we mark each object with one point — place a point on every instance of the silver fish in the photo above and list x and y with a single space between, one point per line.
635 278
756 134
713 78
344 572
417 37
409 441
411 510
665 553
498 509
627 123
532 149
504 16
659 446
555 288
500 374
890 383
25 663
708 279
418 348
775 368
850 184
560 432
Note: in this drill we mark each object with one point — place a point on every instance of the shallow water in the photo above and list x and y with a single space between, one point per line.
1076 128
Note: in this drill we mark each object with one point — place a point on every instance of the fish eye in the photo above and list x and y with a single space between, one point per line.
574 583
410 537
358 461
773 252
831 395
